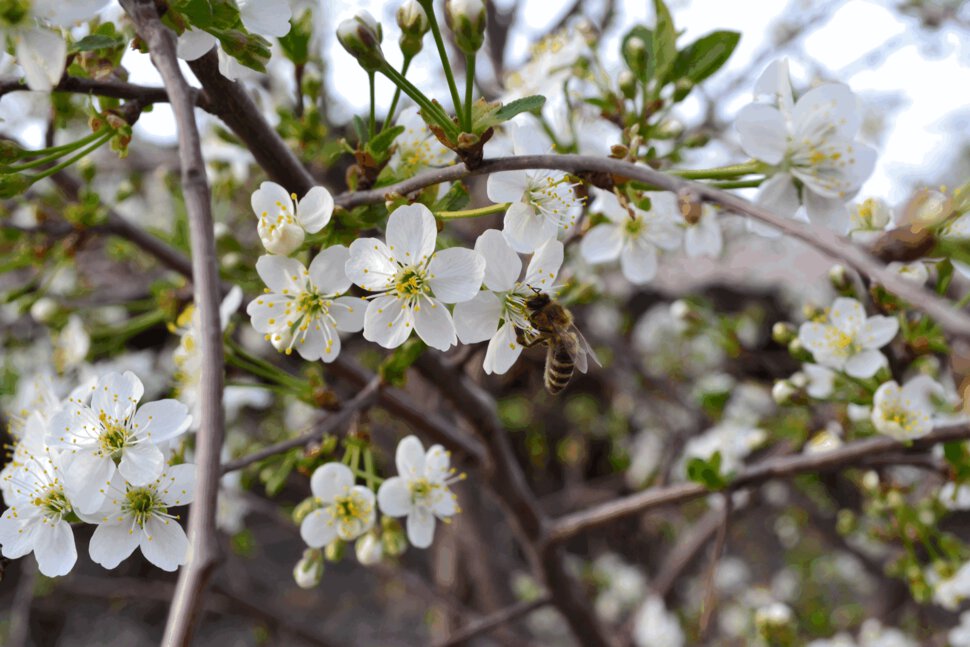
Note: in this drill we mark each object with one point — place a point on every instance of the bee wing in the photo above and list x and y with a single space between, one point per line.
583 350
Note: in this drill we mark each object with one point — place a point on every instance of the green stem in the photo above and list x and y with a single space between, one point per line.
369 473
962 303
264 368
389 119
469 86
474 213
431 110
720 172
53 153
74 158
131 327
737 184
372 123
440 43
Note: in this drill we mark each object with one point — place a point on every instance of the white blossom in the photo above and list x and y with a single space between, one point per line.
303 308
420 490
906 412
848 340
416 148
633 235
496 312
413 281
284 221
134 516
113 433
959 636
346 510
811 140
542 201
655 626
703 237
868 220
71 346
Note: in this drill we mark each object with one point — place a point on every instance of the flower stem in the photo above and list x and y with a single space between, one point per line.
469 86
474 213
74 158
389 119
260 367
720 172
372 123
737 184
431 110
53 153
369 474
440 43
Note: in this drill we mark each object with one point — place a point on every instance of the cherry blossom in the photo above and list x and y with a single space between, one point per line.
906 412
284 221
848 340
346 512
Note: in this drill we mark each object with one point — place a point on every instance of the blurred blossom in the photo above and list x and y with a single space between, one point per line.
655 626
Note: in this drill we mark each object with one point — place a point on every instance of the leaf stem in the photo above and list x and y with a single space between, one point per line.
474 213
720 172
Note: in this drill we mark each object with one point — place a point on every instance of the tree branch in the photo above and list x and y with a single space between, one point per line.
953 321
489 622
853 454
102 88
203 537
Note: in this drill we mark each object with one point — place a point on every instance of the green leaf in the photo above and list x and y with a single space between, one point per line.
360 128
664 42
705 56
93 42
944 274
456 198
393 370
509 110
383 141
707 472
208 14
296 43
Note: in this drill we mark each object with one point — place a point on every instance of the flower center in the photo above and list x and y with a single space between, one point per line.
905 419
410 282
551 195
351 513
142 504
840 341
312 303
113 436
421 489
634 226
282 218
53 502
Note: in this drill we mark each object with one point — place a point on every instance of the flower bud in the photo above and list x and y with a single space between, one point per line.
10 151
782 392
43 310
369 549
414 24
466 18
628 84
309 570
13 185
682 88
303 508
280 238
393 539
798 350
361 36
635 52
783 332
334 552
839 278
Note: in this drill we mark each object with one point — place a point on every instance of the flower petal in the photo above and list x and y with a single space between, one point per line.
506 186
826 112
502 264
394 497
42 53
704 238
177 485
318 529
525 229
476 320
112 543
86 476
456 274
265 17
161 420
420 527
847 315
388 321
54 549
411 234
830 213
330 481
638 262
193 43
763 132
327 270
314 210
437 464
164 544
370 265
503 350
602 244
409 458
434 324
348 313
117 395
878 331
281 275
544 265
865 364
141 463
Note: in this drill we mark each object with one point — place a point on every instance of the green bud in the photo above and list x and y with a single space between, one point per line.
13 185
783 392
682 88
362 36
393 539
628 84
798 350
309 570
14 12
305 507
414 24
10 151
783 332
467 19
334 552
839 278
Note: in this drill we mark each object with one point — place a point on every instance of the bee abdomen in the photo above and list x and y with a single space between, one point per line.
559 368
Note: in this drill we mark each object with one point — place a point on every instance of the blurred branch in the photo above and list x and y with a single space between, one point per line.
950 319
850 455
103 88
203 536
490 622
18 633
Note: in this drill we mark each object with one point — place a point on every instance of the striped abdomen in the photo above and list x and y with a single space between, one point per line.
560 362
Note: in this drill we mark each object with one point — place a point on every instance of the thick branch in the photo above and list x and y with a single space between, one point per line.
953 321
203 537
102 88
851 455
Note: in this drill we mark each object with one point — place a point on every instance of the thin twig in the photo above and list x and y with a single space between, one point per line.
494 620
203 537
710 598
857 453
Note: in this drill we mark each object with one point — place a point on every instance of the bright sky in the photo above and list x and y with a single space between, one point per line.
914 91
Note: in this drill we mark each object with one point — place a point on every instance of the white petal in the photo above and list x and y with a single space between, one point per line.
161 420
193 43
41 52
814 336
704 238
230 303
265 17
878 331
455 274
117 395
779 196
820 380
445 504
164 544
330 481
525 229
865 364
922 390
314 210
602 244
638 262
544 265
775 84
111 544
54 549
388 321
178 485
141 463
348 313
506 186
826 112
281 275
271 198
437 464
502 264
420 527
409 458
476 320
369 265
318 529
86 477
434 324
763 132
830 213
327 270
834 169
267 312
847 315
17 535
503 350
394 497
411 234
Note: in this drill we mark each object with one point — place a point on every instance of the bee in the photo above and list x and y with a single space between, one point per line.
566 348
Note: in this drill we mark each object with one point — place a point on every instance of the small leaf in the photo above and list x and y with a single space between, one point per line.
93 42
455 199
383 141
705 56
640 62
513 108
296 43
394 369
664 42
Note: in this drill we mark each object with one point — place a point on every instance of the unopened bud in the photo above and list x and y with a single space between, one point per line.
369 549
870 480
309 570
619 151
13 184
10 151
670 129
414 24
304 508
783 332
697 140
361 36
467 19
690 205
682 88
798 350
635 52
628 84
334 552
839 278
799 380
43 310
393 539
783 392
